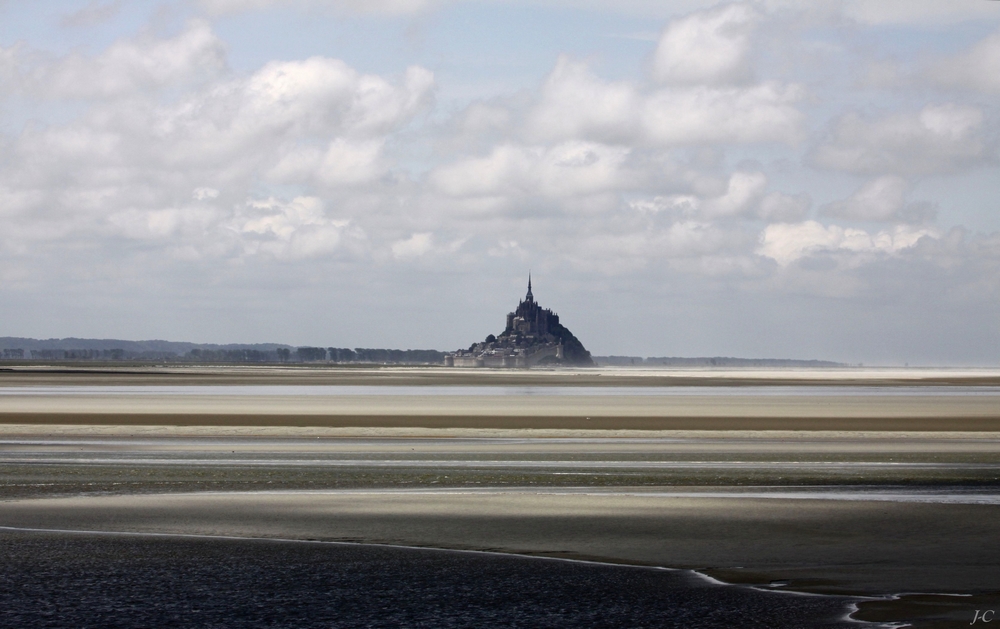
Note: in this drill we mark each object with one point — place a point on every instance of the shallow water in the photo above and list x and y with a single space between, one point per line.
125 581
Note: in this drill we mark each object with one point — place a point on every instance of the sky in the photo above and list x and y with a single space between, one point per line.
754 179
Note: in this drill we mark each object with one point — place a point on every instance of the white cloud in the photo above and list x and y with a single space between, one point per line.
342 163
788 242
778 206
237 130
744 194
383 7
575 104
164 223
709 47
978 68
915 12
760 114
295 229
270 227
414 246
567 169
613 254
94 13
171 173
14 200
9 60
203 194
323 95
482 117
907 12
703 247
880 199
130 66
937 139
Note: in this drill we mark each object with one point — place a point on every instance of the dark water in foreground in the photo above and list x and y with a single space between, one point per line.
76 580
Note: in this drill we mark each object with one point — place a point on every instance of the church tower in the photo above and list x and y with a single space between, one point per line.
529 297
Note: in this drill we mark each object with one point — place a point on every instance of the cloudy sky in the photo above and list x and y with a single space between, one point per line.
682 178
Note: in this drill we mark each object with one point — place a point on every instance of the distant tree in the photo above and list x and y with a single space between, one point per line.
342 355
491 338
48 354
430 356
310 354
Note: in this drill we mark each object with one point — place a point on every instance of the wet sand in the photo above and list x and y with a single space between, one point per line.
870 513
39 461
846 492
689 412
934 423
824 546
143 580
867 406
375 375
830 546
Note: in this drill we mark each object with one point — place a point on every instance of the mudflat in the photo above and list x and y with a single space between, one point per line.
858 482
842 545
44 461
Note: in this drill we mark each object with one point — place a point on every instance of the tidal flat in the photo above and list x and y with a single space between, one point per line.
879 485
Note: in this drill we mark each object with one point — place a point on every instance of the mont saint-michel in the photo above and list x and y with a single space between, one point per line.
533 337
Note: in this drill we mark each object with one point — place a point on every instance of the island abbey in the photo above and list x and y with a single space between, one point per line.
533 336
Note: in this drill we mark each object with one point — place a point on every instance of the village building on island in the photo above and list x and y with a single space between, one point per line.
533 337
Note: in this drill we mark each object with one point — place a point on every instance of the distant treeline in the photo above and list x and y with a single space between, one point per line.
319 355
83 354
717 361
365 355
167 351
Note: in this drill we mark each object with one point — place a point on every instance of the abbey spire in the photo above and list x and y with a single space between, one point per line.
529 296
